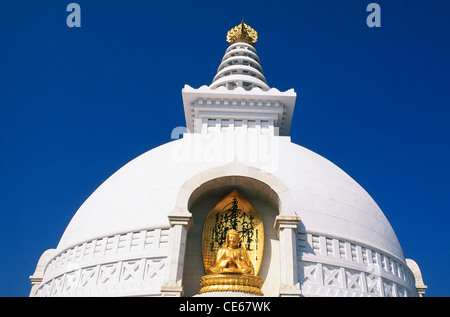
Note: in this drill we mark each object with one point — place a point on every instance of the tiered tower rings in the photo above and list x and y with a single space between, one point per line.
240 67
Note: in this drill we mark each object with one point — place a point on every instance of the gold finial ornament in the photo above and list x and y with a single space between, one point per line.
242 33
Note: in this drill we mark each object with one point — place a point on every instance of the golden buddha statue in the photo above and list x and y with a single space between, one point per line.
231 258
228 267
232 271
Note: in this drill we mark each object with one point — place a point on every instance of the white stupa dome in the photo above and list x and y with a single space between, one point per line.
328 200
122 219
139 233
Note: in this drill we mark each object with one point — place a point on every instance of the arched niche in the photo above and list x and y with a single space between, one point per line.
201 201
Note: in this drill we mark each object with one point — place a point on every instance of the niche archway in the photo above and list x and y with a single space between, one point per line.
200 203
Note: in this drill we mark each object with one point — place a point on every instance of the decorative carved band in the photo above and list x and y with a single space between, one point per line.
132 277
135 259
329 265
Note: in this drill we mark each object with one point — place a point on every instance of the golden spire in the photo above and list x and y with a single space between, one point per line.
242 33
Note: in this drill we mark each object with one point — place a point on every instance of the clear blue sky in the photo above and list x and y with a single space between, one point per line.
76 104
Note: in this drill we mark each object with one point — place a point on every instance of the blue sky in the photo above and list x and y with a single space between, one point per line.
76 104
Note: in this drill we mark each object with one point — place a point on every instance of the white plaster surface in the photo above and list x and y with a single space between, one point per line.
142 193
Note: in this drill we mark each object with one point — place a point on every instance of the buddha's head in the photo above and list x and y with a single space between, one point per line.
232 238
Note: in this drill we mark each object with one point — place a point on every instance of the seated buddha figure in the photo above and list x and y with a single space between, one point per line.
231 258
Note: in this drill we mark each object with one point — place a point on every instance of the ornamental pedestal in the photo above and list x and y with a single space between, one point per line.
231 282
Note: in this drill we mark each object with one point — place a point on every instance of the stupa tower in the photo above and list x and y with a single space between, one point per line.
240 66
239 98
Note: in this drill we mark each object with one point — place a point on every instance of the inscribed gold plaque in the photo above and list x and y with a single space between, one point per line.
233 212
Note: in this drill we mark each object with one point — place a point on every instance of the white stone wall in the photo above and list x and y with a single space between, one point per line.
334 267
125 264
